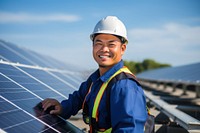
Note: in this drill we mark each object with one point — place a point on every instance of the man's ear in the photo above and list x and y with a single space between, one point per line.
123 48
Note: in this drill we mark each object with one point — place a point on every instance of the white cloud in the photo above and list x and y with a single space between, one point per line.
170 32
7 17
172 43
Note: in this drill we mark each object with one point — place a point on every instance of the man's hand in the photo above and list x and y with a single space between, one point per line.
49 103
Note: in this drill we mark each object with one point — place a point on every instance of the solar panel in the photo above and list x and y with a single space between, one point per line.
11 55
14 53
187 73
25 84
14 119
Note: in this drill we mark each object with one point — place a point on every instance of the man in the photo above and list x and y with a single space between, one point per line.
127 105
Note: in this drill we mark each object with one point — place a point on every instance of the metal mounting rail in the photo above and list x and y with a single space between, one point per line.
175 83
186 121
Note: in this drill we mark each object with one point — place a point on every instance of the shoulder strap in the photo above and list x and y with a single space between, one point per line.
103 88
120 76
85 109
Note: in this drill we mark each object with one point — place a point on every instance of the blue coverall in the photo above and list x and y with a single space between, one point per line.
127 103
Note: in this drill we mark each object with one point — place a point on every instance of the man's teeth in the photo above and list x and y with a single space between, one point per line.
101 56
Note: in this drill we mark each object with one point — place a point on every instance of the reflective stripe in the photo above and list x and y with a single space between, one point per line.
100 94
109 130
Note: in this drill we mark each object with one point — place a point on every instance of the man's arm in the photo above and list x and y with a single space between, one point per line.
128 107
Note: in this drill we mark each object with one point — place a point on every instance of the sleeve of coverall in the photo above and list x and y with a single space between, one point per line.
128 107
73 104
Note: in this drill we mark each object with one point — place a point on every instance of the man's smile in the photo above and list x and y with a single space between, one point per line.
104 56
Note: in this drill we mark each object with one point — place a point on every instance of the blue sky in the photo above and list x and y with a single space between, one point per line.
166 31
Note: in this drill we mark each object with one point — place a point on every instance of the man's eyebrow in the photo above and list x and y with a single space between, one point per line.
98 40
107 41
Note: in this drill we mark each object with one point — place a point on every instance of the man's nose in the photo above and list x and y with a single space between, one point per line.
104 48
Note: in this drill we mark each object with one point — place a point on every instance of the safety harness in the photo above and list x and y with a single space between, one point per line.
123 73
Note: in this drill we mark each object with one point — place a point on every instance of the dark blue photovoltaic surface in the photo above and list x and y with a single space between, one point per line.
64 88
187 73
28 82
69 78
23 87
16 120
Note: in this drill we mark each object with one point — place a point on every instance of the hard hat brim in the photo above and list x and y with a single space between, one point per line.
92 36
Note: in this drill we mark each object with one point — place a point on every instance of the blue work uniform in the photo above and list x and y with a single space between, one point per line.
127 103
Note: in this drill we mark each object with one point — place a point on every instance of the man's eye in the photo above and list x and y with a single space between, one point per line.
98 44
111 45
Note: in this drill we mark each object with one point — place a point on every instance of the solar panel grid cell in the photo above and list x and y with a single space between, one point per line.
51 81
68 78
40 61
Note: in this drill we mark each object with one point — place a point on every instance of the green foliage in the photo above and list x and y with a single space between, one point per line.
147 64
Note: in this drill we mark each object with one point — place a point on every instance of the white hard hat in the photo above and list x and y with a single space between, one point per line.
110 25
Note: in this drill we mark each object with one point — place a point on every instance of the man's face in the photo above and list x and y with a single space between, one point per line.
107 50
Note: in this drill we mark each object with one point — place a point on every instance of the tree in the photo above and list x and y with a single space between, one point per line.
147 64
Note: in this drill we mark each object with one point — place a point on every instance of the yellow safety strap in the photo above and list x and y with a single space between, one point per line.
100 94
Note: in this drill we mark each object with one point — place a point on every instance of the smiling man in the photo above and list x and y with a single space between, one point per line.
107 51
112 99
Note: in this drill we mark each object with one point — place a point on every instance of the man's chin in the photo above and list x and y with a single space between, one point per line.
103 66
